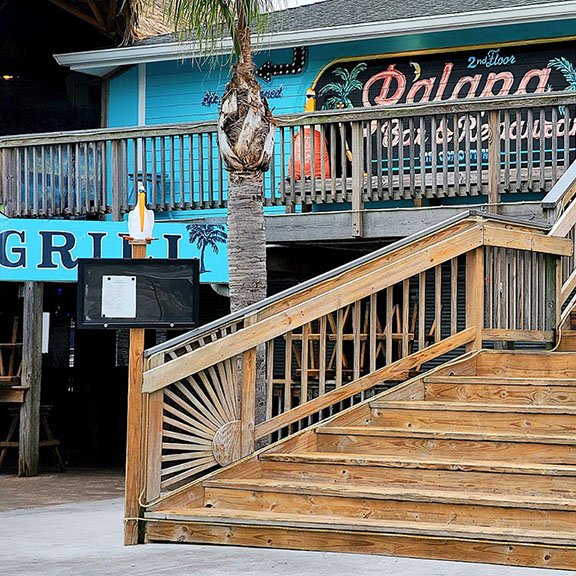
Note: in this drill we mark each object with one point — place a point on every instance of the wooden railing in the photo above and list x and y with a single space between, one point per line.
486 146
560 206
330 342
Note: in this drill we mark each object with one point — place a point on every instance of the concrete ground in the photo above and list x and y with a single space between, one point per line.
71 525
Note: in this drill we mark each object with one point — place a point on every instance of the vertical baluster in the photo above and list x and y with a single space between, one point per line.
292 169
514 290
421 310
304 364
366 143
507 156
529 148
70 178
422 157
400 159
438 302
35 180
211 202
379 162
499 287
405 317
542 143
269 195
21 175
288 373
269 378
445 185
344 163
181 171
164 180
302 180
554 145
221 199
126 166
479 182
390 160
372 339
172 164
389 324
434 150
410 193
356 330
193 201
51 209
78 204
521 298
456 140
153 199
468 160
322 351
339 345
490 290
333 162
201 199
312 139
282 165
529 291
323 166
453 296
62 182
566 137
43 196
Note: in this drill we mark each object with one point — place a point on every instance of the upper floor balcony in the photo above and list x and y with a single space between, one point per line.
501 152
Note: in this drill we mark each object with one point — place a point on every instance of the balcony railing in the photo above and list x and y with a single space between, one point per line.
487 146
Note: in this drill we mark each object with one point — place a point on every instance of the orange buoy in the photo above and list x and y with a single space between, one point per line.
320 148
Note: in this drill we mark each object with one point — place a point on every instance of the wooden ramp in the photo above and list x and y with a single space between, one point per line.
473 461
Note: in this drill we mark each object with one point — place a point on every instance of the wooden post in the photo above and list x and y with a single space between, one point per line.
153 456
31 378
117 180
475 295
134 458
248 401
493 160
357 180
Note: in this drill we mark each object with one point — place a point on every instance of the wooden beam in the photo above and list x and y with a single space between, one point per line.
496 334
31 379
67 6
248 404
13 395
530 241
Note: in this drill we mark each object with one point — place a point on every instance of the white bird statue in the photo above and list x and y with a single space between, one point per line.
140 219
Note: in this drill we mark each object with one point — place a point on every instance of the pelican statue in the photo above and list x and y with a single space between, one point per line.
140 219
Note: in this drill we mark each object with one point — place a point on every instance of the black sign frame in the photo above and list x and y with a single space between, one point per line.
167 292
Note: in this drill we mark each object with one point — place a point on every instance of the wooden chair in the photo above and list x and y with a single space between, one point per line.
12 439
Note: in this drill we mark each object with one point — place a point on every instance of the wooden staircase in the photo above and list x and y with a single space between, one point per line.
473 461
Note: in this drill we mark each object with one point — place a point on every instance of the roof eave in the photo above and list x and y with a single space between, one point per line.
101 62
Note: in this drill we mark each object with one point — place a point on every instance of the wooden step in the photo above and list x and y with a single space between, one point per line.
448 443
328 533
426 473
541 364
567 341
408 504
501 390
469 417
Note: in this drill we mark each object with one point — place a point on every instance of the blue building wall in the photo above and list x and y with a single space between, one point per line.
184 91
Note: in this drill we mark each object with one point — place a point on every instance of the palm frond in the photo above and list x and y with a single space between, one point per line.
332 87
208 22
567 68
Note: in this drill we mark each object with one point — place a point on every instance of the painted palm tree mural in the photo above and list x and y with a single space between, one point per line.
206 236
568 71
342 90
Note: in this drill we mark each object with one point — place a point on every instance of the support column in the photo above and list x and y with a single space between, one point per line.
31 378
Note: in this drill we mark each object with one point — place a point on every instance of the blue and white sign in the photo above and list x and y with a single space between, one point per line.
48 250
